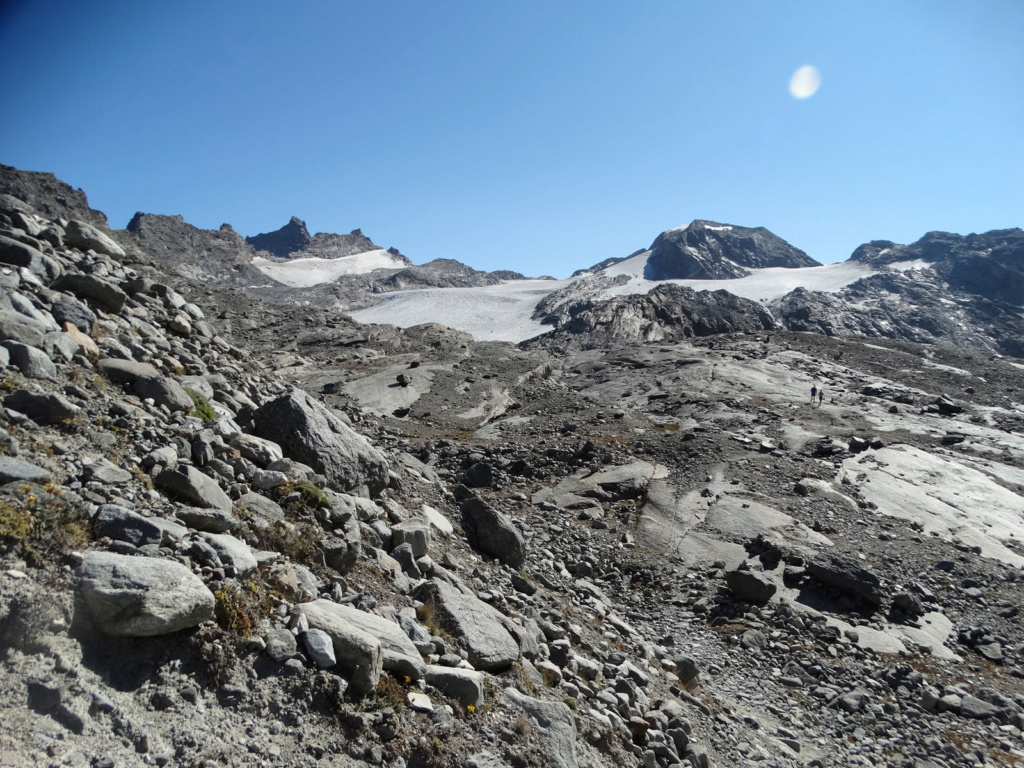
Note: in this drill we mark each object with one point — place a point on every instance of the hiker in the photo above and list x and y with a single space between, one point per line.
821 397
814 392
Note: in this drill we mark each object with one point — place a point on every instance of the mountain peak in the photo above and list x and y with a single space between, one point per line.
708 250
282 242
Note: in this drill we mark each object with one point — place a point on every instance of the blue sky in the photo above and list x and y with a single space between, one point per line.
536 136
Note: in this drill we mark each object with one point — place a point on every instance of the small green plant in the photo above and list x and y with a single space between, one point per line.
390 691
40 525
570 702
240 608
202 407
312 496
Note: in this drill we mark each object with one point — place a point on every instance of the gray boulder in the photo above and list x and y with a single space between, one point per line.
466 686
232 551
308 432
479 627
416 532
164 391
210 520
193 487
44 408
556 728
96 289
489 531
122 524
141 596
846 575
31 361
16 470
18 327
125 371
400 656
357 651
259 451
86 237
750 586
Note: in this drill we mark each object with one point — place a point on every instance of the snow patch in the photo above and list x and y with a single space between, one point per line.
303 273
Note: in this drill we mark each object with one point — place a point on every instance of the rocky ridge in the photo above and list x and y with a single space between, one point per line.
241 532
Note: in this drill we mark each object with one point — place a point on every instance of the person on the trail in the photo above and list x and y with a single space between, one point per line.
821 397
814 392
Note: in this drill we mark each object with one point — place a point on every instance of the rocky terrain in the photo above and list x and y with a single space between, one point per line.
238 531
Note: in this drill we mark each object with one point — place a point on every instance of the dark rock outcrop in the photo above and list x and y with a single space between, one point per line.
705 250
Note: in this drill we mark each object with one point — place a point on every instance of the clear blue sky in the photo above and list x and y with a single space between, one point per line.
541 136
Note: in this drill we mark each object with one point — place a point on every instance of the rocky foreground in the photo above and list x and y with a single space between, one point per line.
244 533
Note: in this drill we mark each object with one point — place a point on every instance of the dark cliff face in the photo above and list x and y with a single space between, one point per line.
292 237
708 251
47 195
989 265
215 256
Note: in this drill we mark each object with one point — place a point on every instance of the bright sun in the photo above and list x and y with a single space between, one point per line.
804 82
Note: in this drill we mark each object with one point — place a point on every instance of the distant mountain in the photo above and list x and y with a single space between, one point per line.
990 264
706 250
293 241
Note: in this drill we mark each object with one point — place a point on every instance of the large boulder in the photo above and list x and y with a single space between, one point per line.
478 627
357 652
193 487
83 236
96 289
556 728
750 586
308 432
400 656
164 391
846 575
466 686
141 596
18 254
489 531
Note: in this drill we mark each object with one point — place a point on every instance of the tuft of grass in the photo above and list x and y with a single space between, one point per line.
40 526
240 607
297 541
312 496
390 692
570 702
202 407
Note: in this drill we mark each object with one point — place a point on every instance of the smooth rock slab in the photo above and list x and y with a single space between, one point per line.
141 596
32 362
477 625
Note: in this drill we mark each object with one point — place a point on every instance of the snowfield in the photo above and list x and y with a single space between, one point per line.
502 312
303 273
491 313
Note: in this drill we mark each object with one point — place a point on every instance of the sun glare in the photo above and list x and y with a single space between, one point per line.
804 82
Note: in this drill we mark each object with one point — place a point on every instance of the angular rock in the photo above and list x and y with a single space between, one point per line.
122 524
192 486
85 237
356 651
416 532
107 295
846 575
125 371
556 728
164 391
105 471
43 408
141 596
18 254
257 450
281 644
750 586
18 327
16 470
320 648
478 626
489 531
210 520
466 686
400 656
259 510
232 551
308 432
32 362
